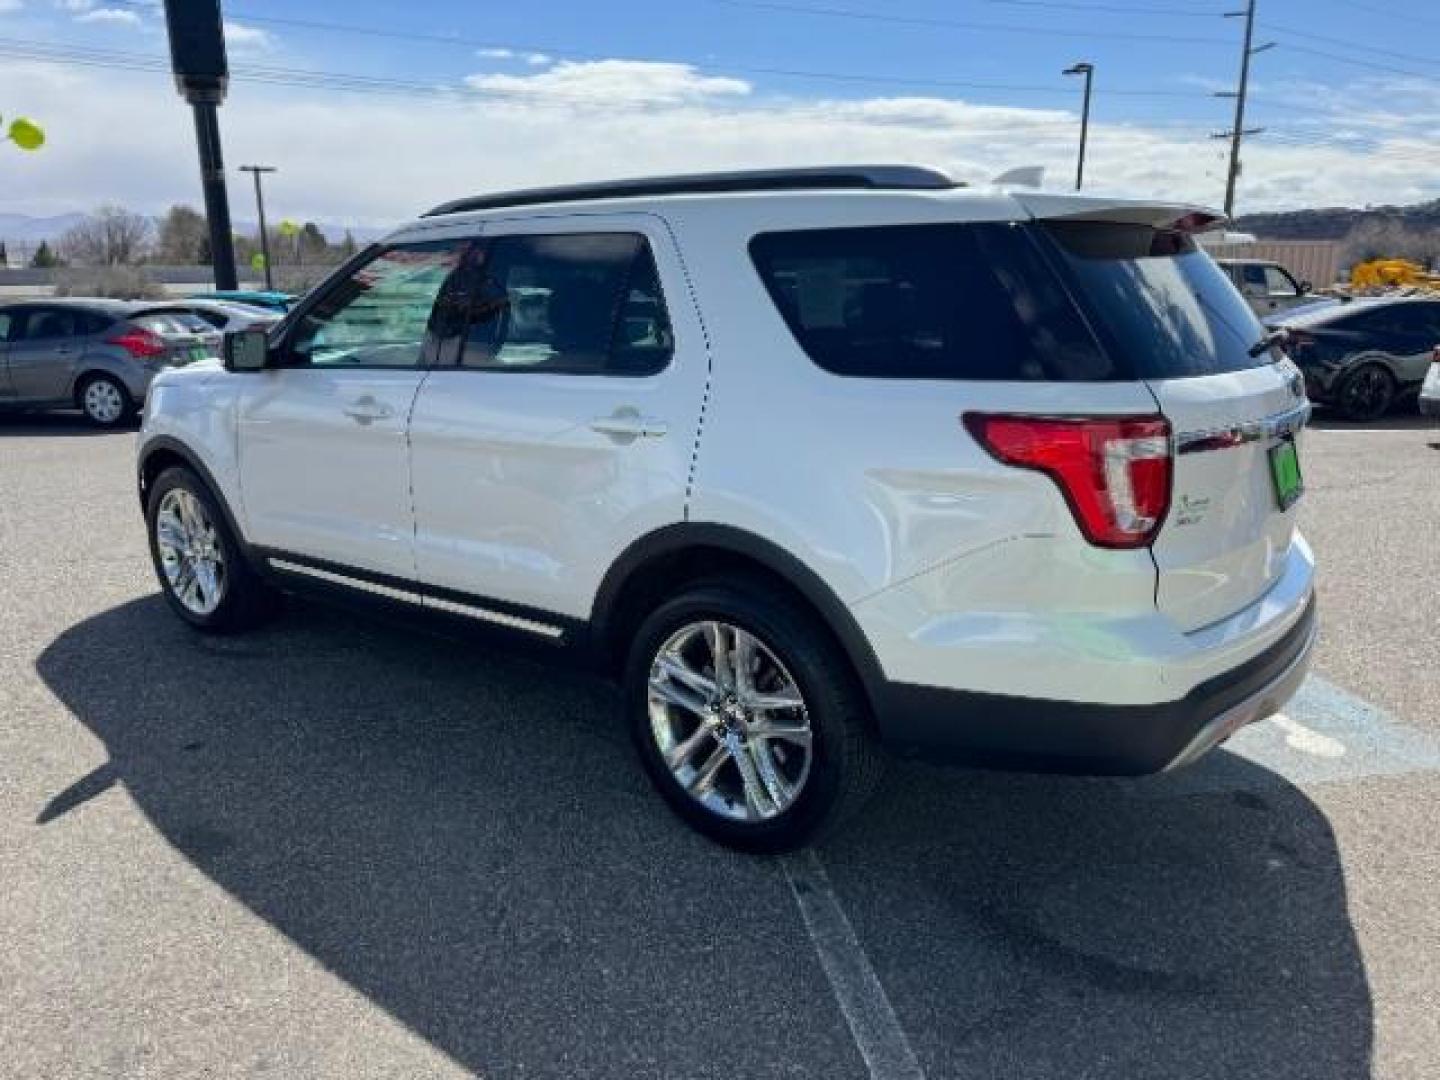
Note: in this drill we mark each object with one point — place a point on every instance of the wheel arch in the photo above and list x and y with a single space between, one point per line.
663 560
163 452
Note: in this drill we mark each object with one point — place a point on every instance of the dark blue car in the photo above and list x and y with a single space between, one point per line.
1364 356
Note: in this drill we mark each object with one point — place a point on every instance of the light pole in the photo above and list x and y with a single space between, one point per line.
256 171
1088 70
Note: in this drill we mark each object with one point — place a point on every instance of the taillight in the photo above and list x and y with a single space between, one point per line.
1113 471
141 344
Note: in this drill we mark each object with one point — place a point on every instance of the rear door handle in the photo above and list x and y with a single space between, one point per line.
366 410
628 424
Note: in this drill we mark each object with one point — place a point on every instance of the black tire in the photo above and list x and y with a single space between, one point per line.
246 600
1366 394
845 764
83 399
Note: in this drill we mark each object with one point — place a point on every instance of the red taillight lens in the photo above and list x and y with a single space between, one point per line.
1113 471
141 344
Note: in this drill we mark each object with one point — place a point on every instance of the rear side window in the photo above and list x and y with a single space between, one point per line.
928 302
580 304
1160 305
48 324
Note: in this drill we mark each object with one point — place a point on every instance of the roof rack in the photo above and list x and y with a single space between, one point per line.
842 177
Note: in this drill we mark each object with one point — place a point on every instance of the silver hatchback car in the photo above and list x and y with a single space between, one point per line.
97 355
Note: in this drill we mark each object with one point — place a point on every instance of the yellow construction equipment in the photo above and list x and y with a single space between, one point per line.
1380 274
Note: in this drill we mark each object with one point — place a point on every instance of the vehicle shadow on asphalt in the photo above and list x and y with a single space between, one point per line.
14 425
463 836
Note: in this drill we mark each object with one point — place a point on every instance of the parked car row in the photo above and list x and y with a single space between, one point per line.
101 355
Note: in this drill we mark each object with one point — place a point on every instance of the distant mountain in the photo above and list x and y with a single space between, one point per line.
1336 223
21 228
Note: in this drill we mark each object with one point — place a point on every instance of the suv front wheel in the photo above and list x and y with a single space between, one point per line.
747 717
202 569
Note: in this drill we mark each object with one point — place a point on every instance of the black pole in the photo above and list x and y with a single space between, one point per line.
255 171
217 205
1084 130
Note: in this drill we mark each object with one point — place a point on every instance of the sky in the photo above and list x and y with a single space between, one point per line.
374 110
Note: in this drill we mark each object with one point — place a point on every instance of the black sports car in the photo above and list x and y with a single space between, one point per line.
1363 356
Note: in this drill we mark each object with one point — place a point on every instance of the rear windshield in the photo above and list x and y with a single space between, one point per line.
1059 302
1157 301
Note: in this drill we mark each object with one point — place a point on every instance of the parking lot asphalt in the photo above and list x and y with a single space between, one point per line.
336 848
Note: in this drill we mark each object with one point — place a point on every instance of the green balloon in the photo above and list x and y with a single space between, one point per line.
257 261
26 134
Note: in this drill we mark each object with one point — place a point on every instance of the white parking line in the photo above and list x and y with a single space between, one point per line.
862 1000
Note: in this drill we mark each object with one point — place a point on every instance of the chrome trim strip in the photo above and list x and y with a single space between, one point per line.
470 611
515 622
1268 427
1261 705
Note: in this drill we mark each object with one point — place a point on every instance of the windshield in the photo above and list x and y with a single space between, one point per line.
1156 300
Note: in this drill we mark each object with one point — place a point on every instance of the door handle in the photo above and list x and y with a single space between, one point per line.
366 410
627 424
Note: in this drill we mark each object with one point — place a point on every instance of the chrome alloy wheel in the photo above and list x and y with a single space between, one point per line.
190 553
102 402
729 721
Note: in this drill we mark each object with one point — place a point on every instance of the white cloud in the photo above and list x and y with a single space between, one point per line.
372 160
496 54
537 59
242 37
613 82
116 16
7 6
74 5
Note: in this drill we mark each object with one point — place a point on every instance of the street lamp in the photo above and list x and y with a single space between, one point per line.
1088 70
256 171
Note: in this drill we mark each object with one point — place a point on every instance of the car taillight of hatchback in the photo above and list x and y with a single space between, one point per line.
1115 472
139 343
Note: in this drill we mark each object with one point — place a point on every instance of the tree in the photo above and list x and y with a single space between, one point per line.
347 245
111 236
4 255
184 236
44 258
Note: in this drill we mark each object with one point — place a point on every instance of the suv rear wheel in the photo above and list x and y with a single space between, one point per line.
747 717
202 569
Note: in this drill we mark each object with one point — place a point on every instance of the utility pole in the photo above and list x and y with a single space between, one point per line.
1239 131
1088 70
256 171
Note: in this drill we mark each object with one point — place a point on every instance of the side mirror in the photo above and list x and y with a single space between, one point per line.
1306 288
245 350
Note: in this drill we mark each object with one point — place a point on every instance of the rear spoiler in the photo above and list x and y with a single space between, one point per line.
1186 217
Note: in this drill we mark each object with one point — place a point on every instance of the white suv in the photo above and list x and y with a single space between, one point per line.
812 460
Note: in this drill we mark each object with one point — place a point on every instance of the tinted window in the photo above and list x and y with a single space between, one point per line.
1159 304
378 315
928 302
47 324
584 304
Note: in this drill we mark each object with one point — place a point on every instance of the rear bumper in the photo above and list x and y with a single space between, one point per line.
1096 739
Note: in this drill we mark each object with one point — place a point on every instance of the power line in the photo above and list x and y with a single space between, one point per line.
960 24
1115 9
1391 12
1349 44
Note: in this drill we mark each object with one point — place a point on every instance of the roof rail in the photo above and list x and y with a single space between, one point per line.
844 177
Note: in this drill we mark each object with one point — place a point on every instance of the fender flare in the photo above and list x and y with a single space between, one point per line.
169 444
673 539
